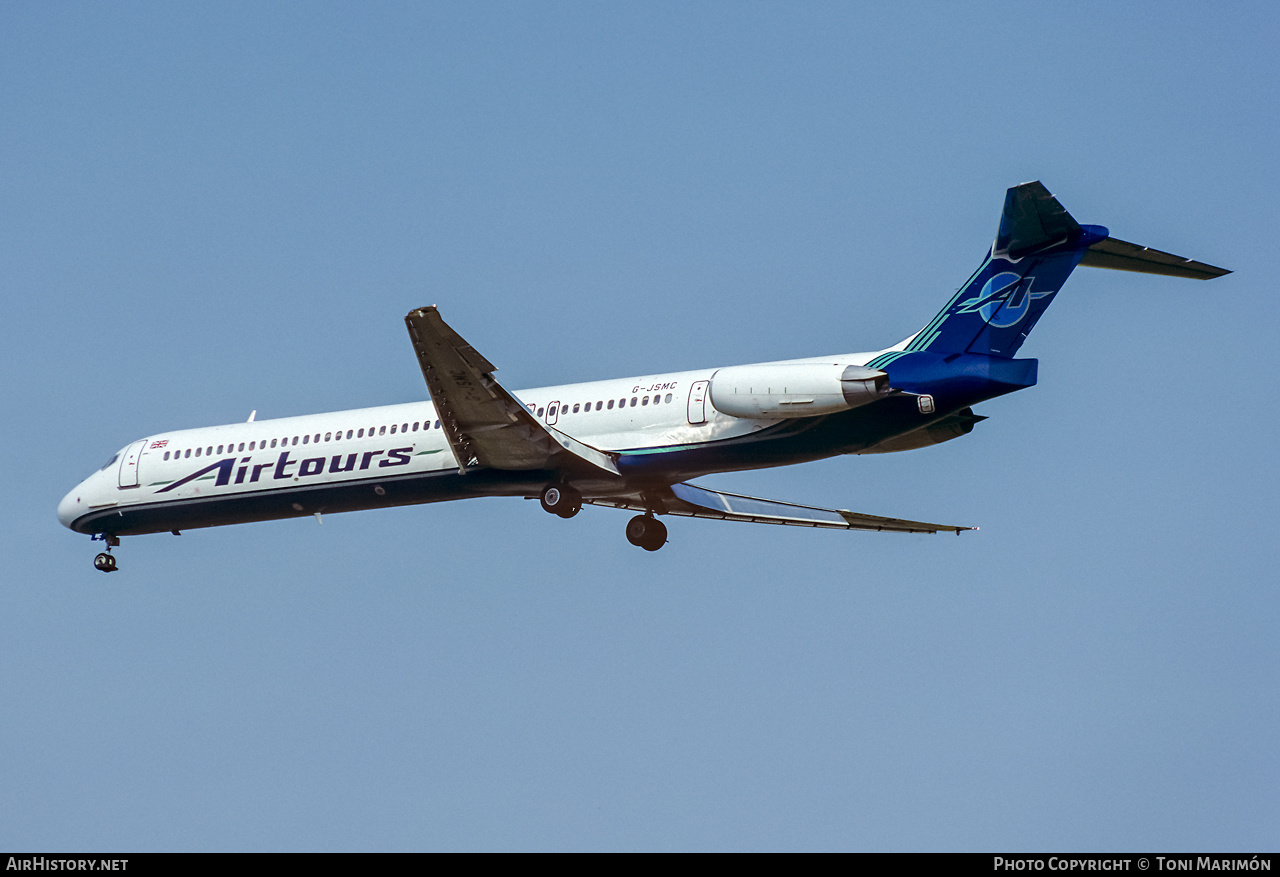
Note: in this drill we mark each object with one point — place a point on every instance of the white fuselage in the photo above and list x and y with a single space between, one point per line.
184 467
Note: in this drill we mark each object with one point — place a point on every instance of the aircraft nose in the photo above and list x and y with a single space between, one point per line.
72 506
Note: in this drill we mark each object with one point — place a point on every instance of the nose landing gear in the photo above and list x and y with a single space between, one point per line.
647 532
105 561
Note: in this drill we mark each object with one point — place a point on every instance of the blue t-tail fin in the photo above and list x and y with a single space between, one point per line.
1036 249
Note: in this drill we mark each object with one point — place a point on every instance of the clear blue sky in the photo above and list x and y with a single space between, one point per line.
210 209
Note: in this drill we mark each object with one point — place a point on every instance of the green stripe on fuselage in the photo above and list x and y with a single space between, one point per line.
931 331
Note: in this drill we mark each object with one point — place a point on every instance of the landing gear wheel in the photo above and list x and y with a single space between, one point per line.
104 562
562 500
647 532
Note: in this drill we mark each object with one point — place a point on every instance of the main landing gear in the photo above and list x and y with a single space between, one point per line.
105 561
647 532
562 500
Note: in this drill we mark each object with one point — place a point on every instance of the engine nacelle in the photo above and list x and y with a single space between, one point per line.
944 430
795 389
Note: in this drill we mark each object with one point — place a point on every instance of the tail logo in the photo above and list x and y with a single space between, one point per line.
1004 300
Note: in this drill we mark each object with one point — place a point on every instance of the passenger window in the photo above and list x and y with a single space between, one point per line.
166 455
382 431
393 429
437 424
415 426
576 406
668 399
305 439
404 427
251 445
317 438
644 400
599 406
540 411
241 447
349 433
633 401
360 434
328 435
295 440
551 412
610 404
209 450
188 453
198 450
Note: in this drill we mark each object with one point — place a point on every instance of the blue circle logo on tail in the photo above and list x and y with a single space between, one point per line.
1004 300
991 296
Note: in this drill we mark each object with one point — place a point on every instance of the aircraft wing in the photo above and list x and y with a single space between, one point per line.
486 425
699 502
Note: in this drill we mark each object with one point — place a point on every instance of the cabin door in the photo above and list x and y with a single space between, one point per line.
129 464
698 402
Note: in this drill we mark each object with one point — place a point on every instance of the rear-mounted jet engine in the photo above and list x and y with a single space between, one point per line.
804 389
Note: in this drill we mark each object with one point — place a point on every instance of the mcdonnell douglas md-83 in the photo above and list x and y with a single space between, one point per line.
630 443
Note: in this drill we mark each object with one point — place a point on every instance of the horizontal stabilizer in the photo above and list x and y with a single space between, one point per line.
1124 256
692 501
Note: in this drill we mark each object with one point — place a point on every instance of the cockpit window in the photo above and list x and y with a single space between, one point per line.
114 457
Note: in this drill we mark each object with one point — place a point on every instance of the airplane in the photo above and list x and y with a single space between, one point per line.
628 443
